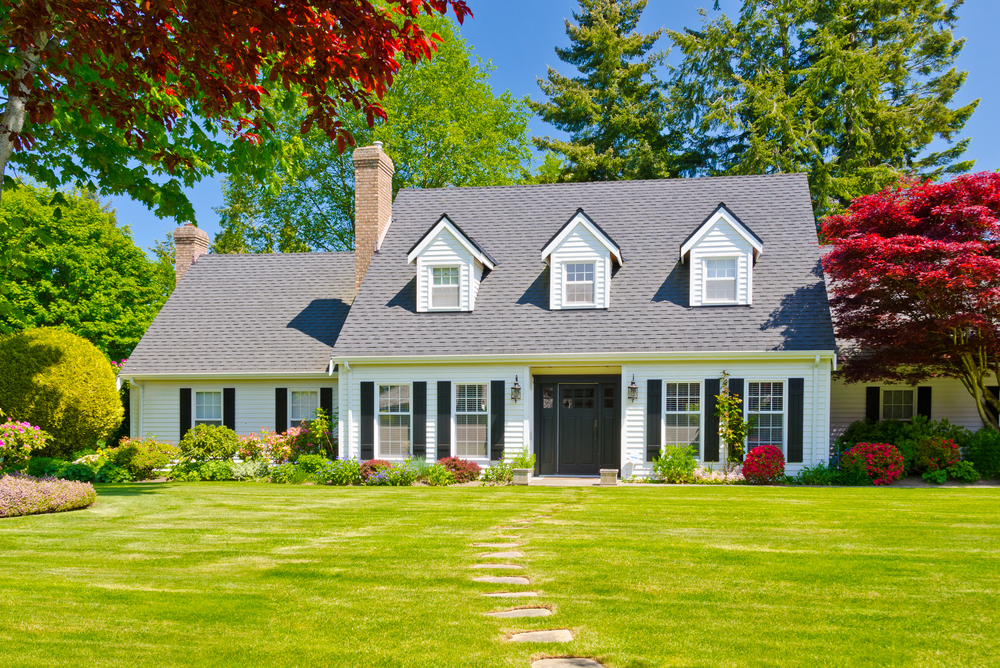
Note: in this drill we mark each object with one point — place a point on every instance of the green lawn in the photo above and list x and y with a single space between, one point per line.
230 574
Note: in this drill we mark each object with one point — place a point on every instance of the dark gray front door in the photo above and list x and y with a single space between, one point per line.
577 425
579 430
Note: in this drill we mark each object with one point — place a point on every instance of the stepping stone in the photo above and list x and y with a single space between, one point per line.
501 555
502 580
521 521
566 662
511 594
509 567
555 635
496 545
521 612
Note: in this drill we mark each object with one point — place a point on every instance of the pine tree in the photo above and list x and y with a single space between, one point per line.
613 110
853 92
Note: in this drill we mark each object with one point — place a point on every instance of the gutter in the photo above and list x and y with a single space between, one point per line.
595 359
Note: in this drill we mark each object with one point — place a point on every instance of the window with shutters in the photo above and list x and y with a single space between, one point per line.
471 421
394 420
765 401
682 414
720 279
897 404
445 285
208 408
302 405
580 283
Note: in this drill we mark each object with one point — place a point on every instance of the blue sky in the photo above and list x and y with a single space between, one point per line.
518 36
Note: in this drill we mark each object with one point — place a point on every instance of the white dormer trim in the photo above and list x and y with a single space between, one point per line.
445 223
723 214
581 218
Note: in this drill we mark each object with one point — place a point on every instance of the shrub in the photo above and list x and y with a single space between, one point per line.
339 472
373 466
523 461
46 467
142 456
254 469
62 383
936 453
195 471
265 445
314 437
464 470
440 476
394 476
882 462
675 464
25 495
821 474
764 465
209 441
288 474
708 476
311 463
17 441
937 477
499 473
983 451
419 465
963 471
905 436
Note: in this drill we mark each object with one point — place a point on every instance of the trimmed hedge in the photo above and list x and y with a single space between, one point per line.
25 495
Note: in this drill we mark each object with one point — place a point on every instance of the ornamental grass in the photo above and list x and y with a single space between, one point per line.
25 495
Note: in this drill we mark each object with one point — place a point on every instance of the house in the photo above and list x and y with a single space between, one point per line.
587 323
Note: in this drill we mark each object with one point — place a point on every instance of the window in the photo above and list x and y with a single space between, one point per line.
208 408
683 414
444 291
303 407
766 402
897 404
471 429
720 280
580 283
394 420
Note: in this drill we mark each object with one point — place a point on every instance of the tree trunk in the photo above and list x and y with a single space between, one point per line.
12 121
973 377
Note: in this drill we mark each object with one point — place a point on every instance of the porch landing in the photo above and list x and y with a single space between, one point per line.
565 481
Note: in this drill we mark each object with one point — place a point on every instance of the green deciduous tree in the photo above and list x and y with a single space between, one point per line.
614 109
853 92
443 127
77 270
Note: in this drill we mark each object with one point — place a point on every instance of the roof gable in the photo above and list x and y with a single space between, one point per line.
722 214
581 219
470 244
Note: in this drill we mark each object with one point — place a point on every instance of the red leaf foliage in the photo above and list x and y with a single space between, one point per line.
915 278
124 60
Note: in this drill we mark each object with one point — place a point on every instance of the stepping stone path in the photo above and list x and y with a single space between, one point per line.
496 545
501 580
511 594
555 635
501 555
508 567
521 612
566 662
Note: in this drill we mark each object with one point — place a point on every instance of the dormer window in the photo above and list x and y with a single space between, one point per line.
721 255
720 279
450 267
581 258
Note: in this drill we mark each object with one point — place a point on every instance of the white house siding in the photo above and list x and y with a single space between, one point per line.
447 251
580 246
158 410
722 241
949 400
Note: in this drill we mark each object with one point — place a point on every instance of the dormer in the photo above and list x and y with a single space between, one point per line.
721 255
450 267
581 258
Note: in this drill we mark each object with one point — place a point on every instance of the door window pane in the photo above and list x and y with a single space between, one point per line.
444 291
471 430
208 408
394 420
303 407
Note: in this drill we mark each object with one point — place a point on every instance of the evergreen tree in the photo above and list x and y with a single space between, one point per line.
613 111
853 92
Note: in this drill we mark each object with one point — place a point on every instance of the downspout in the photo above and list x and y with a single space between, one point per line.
142 403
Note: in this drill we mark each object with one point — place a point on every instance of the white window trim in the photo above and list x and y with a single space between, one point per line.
881 402
429 268
288 410
566 304
704 281
454 420
378 422
194 405
784 410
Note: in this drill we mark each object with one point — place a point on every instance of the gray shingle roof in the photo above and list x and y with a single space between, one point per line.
649 295
250 314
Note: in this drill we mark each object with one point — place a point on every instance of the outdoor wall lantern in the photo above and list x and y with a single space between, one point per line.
515 391
633 390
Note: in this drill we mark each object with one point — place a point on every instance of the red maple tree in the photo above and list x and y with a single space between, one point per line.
915 284
112 82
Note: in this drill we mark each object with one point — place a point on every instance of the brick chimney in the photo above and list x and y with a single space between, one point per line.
373 172
189 244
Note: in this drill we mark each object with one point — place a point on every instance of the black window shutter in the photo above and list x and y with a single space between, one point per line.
185 410
924 402
367 420
654 403
736 388
326 403
420 419
711 435
796 409
281 409
497 419
229 407
873 398
444 419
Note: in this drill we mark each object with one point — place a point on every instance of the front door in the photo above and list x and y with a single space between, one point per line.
577 425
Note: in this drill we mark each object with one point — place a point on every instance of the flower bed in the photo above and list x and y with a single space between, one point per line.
881 461
25 495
